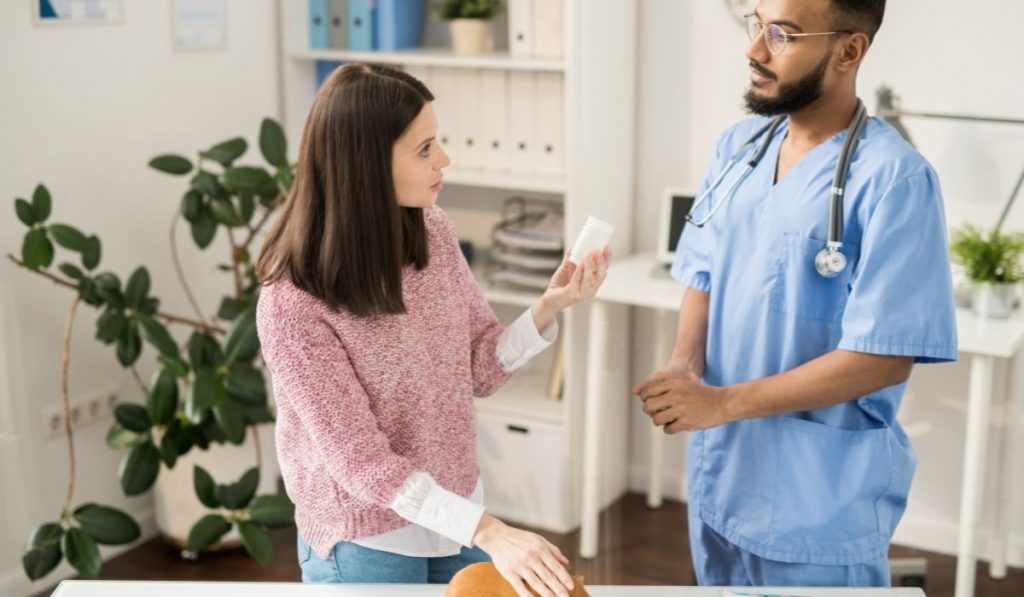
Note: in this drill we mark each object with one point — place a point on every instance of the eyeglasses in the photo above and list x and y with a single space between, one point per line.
775 37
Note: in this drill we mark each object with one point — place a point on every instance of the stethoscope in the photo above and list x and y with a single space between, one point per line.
829 262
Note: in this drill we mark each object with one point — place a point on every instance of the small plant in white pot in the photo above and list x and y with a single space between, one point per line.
469 23
994 266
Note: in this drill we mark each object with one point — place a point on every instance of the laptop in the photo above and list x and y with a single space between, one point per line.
675 205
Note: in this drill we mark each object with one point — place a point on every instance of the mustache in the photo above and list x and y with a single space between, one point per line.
762 70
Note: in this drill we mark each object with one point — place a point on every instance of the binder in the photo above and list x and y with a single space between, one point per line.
522 124
550 90
520 25
446 110
470 124
360 24
494 114
399 24
318 33
337 24
548 29
324 68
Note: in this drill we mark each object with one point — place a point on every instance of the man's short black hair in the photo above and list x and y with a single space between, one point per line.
864 16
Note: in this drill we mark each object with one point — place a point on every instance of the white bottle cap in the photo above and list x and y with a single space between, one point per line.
594 237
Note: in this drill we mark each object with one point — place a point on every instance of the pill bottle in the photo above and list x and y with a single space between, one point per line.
594 237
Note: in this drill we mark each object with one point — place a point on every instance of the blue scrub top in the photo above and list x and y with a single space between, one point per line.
825 486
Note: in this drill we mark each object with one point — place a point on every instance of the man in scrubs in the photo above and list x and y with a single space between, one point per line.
798 471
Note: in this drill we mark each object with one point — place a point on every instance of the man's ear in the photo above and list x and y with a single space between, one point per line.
851 51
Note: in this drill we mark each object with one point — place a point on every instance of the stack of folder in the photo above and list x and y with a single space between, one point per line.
527 246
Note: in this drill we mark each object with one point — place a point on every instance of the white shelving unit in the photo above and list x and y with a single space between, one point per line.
530 446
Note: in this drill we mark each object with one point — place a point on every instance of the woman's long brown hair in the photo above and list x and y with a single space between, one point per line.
342 236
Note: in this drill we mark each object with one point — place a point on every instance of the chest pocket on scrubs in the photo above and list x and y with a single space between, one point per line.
799 290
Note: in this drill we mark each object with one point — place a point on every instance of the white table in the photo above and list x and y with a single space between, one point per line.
630 282
106 588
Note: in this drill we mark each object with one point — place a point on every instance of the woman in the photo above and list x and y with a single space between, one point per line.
377 339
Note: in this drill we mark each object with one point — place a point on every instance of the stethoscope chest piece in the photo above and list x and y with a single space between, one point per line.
830 262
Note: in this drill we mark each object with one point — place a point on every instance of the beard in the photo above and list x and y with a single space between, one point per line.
792 97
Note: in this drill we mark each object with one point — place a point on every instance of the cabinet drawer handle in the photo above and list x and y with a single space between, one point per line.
517 429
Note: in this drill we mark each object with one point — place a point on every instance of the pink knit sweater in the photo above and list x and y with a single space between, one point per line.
362 403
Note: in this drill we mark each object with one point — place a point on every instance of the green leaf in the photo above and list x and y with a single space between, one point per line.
132 417
108 285
169 450
245 178
44 551
243 342
108 526
224 212
162 399
257 414
206 489
82 552
207 184
272 143
204 228
70 271
156 334
174 365
191 205
231 307
129 346
110 326
41 203
207 531
88 292
246 384
91 254
204 351
284 180
246 207
68 237
26 214
139 468
205 392
226 152
37 250
120 438
171 164
229 416
235 496
137 288
272 511
149 306
257 542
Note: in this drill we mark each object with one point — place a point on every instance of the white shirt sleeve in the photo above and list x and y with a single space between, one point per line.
423 502
521 341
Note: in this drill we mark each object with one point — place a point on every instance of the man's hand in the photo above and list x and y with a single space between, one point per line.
675 399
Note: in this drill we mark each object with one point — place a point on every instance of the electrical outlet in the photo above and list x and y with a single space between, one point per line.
84 410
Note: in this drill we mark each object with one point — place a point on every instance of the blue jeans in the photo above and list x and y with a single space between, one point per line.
351 563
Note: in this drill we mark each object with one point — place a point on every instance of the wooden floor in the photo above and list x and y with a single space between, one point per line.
638 547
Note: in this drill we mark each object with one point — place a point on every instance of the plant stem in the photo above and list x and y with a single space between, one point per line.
138 378
65 357
181 274
263 220
235 264
165 316
256 443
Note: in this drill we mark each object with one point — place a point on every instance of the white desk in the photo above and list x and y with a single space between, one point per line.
629 282
104 588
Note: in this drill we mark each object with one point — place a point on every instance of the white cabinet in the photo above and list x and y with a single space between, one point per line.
560 125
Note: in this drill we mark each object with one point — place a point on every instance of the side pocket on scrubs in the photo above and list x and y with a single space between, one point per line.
799 290
830 481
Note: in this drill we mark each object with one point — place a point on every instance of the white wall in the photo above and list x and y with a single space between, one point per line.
939 57
83 109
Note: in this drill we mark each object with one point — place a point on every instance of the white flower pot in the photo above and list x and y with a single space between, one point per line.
470 36
994 300
178 508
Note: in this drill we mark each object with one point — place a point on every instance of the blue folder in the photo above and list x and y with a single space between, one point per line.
399 24
318 24
361 24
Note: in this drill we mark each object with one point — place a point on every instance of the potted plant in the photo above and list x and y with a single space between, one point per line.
469 23
208 388
994 267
